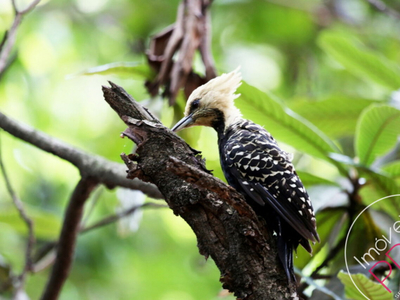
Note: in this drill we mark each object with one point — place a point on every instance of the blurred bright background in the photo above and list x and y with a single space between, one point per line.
153 254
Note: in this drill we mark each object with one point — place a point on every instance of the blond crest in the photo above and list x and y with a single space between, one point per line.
219 93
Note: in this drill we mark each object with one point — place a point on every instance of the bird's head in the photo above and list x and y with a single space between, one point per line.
212 104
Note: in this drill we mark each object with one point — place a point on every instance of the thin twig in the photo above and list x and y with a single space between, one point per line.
45 262
49 258
95 198
29 7
382 7
27 220
4 39
115 217
12 33
68 236
14 5
10 62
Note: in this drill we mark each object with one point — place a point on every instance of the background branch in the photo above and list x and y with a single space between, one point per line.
382 7
191 32
118 216
11 34
109 173
48 254
28 222
67 241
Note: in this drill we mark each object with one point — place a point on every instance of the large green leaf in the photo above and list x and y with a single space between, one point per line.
125 69
284 124
309 179
377 132
360 60
370 289
378 186
335 116
392 169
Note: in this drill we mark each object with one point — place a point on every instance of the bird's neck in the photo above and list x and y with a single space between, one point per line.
225 119
218 122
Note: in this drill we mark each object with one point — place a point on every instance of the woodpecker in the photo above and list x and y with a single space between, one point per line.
255 166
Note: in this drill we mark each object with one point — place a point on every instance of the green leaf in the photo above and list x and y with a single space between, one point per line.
377 132
344 159
370 289
392 169
284 124
46 224
387 185
309 179
124 69
379 185
335 116
360 60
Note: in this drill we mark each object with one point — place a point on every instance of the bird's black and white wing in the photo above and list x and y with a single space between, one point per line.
266 175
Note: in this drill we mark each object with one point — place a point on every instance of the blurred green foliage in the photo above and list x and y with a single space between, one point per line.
321 76
369 289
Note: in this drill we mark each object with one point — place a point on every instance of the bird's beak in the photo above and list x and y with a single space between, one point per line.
183 123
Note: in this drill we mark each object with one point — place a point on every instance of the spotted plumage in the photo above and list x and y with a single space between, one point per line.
254 164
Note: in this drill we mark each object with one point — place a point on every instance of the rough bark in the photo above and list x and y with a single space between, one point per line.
226 227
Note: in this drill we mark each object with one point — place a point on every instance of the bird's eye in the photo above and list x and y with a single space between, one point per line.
195 104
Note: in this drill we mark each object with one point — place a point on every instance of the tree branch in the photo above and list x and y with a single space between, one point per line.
27 220
48 254
109 173
190 32
205 49
226 227
10 37
67 241
382 7
115 217
27 9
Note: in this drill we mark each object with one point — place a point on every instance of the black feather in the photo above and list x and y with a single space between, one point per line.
254 165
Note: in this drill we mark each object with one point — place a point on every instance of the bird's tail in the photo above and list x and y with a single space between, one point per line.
285 251
287 241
